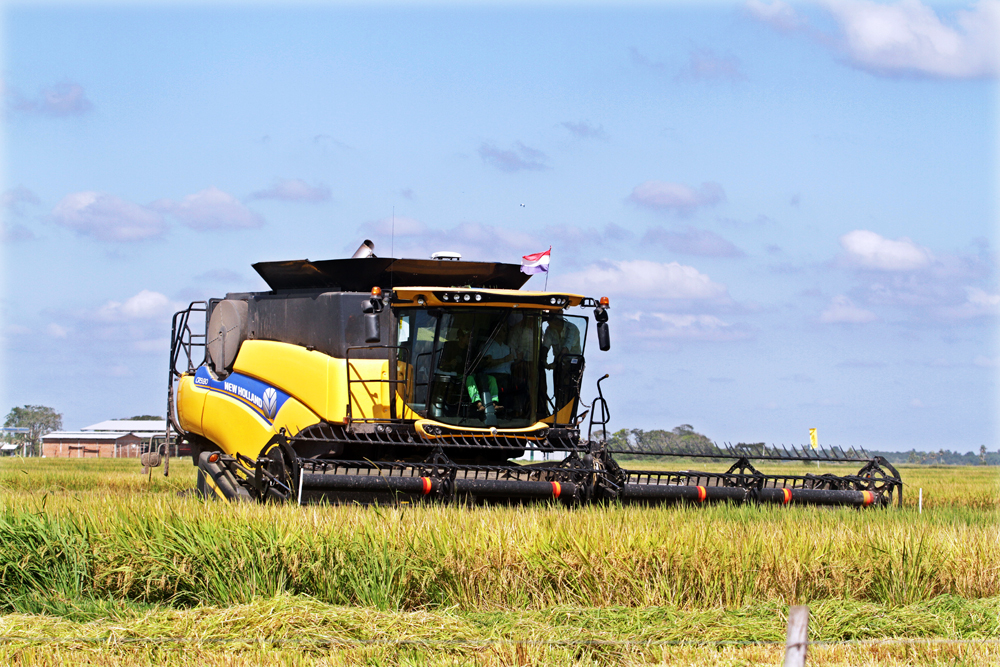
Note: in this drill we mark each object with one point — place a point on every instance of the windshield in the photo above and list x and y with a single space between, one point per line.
482 367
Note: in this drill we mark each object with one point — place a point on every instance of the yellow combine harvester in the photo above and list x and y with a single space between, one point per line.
394 380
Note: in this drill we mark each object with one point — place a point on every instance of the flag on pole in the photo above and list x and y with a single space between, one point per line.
813 439
536 263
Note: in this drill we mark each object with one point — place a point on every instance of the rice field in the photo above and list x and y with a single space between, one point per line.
101 565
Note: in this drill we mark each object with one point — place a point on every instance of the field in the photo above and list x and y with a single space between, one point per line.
100 565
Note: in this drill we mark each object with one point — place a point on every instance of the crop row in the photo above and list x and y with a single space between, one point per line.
182 552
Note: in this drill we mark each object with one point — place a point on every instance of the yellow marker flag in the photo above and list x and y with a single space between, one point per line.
813 440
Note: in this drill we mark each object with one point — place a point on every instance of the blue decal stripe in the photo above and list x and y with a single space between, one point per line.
244 401
261 397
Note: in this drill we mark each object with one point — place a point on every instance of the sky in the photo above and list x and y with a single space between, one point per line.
792 207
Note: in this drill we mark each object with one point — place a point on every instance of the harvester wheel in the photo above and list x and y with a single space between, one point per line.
880 482
278 482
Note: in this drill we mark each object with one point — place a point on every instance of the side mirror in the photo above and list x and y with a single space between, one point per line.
373 328
603 336
601 315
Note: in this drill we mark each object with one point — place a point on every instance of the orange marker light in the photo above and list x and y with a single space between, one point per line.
604 301
788 495
376 292
556 489
869 497
702 494
427 485
213 457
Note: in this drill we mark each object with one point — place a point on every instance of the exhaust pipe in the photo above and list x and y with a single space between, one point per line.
366 249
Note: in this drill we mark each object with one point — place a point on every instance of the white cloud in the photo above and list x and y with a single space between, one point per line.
219 276
211 209
108 218
519 158
692 241
15 233
475 241
639 277
294 190
63 99
978 302
403 226
143 306
842 311
902 38
909 37
706 64
680 199
872 251
571 236
674 326
777 14
14 199
584 130
56 331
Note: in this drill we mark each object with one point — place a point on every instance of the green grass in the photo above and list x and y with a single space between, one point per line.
90 548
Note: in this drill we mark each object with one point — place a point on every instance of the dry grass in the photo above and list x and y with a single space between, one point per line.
292 630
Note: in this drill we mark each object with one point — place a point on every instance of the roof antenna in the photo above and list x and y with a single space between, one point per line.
392 247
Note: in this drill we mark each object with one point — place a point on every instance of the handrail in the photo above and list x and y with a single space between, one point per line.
182 339
392 381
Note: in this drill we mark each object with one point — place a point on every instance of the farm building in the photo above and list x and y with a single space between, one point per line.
91 444
149 428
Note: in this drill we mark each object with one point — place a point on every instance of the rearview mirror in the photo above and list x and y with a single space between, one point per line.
603 336
373 328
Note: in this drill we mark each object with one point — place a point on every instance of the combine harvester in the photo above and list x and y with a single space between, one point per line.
380 380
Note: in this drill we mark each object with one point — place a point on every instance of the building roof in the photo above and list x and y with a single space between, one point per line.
87 435
138 426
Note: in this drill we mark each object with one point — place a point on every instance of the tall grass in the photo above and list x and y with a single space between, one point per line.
183 552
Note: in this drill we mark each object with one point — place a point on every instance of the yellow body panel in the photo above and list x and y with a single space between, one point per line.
565 414
318 380
235 427
315 382
190 404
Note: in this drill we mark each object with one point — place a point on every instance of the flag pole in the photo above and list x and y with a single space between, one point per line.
546 288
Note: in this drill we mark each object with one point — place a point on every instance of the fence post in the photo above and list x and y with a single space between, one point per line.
797 638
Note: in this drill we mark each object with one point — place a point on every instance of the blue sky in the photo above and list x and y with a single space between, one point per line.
793 208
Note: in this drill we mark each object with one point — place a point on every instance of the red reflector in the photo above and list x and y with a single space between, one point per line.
427 485
869 497
788 495
702 494
556 489
213 457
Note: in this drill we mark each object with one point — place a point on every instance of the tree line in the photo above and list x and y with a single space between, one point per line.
684 439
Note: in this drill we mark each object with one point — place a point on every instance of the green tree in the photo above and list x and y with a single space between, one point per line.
144 418
38 419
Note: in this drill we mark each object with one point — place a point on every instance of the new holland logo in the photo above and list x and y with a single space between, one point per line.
270 402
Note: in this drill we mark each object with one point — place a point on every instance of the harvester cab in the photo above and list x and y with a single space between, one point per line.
398 380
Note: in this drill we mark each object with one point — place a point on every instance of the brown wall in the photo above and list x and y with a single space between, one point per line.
127 446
